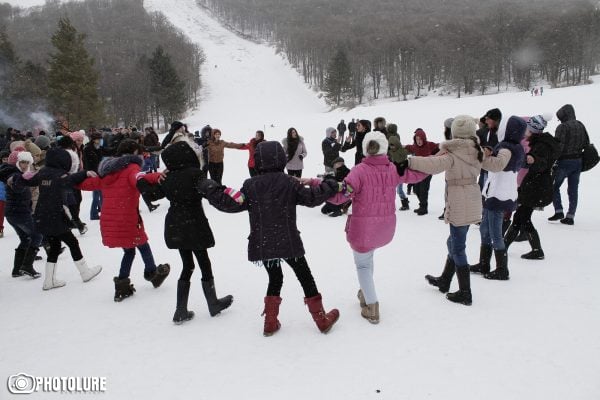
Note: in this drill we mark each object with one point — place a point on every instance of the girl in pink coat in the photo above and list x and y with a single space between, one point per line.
372 187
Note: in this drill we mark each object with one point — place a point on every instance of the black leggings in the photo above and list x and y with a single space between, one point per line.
216 171
302 271
70 240
421 189
187 257
522 217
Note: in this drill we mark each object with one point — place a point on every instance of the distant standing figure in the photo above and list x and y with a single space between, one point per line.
351 128
295 151
541 90
341 128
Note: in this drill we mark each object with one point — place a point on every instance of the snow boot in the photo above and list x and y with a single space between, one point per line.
27 266
567 221
323 320
371 313
361 299
463 295
485 255
501 271
536 252
123 288
18 262
443 281
181 312
271 312
511 235
557 216
87 274
215 305
81 227
404 204
50 281
158 276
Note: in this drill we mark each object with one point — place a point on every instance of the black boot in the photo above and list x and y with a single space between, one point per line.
463 295
501 271
443 282
27 266
181 312
536 252
511 234
404 205
557 216
18 262
215 305
123 288
485 255
159 275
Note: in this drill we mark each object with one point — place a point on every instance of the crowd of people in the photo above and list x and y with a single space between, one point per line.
497 171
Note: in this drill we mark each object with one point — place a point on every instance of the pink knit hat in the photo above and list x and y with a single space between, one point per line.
14 156
77 135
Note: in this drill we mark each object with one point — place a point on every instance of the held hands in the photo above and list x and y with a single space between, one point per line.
92 174
139 175
487 151
530 159
235 195
163 176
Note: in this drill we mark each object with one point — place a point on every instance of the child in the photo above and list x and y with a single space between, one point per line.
397 154
372 186
121 224
338 204
422 147
50 218
271 199
186 226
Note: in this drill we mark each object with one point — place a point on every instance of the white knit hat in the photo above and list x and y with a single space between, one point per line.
463 127
376 137
25 156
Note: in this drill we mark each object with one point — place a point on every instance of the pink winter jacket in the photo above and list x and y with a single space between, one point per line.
373 220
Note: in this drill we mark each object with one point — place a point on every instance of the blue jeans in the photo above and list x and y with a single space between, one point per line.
25 228
96 204
400 191
364 270
148 164
129 255
457 244
491 229
570 170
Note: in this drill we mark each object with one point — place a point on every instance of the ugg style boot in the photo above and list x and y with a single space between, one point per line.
501 271
215 305
27 266
50 281
181 312
159 275
323 320
443 281
18 262
87 274
361 299
536 252
371 313
123 288
404 205
271 312
485 256
463 295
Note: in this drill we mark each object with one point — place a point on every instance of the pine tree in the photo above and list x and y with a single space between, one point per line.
72 80
338 81
166 88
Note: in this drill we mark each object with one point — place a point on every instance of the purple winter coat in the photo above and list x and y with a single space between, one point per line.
373 220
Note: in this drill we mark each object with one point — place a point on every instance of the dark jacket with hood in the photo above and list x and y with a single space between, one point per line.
186 226
536 190
18 196
571 134
271 199
53 179
358 142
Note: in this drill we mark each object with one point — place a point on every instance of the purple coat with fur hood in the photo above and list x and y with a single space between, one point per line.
374 181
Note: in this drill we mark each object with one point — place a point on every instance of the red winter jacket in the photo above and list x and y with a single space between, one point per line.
426 149
120 222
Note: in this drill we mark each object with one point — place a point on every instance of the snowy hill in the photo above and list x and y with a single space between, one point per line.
533 337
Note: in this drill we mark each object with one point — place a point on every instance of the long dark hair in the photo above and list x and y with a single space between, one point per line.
292 143
127 146
478 147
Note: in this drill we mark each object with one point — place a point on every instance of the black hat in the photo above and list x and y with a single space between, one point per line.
337 160
176 125
494 114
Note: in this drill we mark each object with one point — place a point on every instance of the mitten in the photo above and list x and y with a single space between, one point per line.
235 195
28 175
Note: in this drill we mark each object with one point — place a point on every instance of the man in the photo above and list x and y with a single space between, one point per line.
488 136
341 128
351 128
573 137
331 149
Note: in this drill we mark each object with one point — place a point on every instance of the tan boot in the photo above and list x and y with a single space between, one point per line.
371 313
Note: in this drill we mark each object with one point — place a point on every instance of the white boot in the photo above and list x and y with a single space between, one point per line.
86 273
50 282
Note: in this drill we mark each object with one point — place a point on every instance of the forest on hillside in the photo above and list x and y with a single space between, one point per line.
121 38
356 50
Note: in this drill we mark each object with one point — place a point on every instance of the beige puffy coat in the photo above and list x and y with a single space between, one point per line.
458 158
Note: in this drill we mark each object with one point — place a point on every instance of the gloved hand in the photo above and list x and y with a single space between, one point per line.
140 175
401 167
206 186
300 157
235 195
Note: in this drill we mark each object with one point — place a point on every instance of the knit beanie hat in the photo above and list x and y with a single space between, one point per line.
14 156
494 114
43 142
176 125
463 127
25 156
329 131
16 143
537 123
380 139
77 135
32 148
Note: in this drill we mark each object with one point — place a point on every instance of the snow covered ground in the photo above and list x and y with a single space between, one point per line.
533 337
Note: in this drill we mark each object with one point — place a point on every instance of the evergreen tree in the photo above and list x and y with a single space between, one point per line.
166 88
338 81
72 80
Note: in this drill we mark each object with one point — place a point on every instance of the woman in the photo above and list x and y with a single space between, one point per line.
216 154
356 141
295 151
259 137
460 158
121 224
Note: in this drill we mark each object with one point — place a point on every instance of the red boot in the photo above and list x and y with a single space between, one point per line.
324 321
270 312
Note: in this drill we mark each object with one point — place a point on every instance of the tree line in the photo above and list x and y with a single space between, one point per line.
356 50
94 63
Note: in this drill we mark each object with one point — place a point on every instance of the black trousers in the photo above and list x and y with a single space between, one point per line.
67 238
187 258
295 172
421 189
302 271
522 217
216 171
